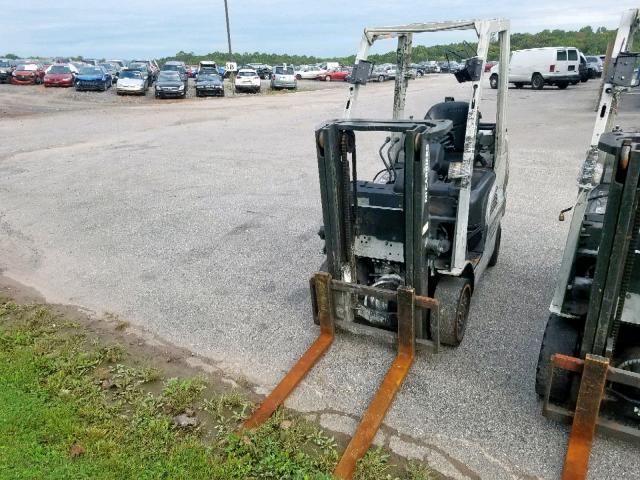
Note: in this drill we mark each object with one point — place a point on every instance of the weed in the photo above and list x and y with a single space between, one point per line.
127 380
375 464
178 395
419 471
113 353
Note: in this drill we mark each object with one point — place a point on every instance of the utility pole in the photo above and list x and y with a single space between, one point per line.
233 73
226 15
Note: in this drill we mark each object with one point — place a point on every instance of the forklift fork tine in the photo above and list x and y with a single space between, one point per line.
392 382
308 360
407 303
594 377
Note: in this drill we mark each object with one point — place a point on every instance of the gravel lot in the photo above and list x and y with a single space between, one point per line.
196 219
20 100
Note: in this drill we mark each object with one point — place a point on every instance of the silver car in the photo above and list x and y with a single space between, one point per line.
595 63
283 76
131 82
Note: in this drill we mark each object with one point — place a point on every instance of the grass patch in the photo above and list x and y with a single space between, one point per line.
73 407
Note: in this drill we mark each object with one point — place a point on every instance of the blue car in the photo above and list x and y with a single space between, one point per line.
93 78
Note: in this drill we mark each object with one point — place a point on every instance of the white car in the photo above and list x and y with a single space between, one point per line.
538 67
131 82
308 73
247 80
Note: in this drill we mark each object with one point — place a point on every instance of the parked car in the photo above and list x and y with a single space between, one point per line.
419 69
28 74
208 66
119 64
154 70
93 78
308 72
144 70
586 72
209 84
596 64
170 84
430 67
283 76
489 65
6 69
60 75
176 66
538 67
112 69
379 74
340 73
78 65
264 71
444 67
132 82
247 81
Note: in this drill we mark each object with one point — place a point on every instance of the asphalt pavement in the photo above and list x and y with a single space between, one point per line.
197 221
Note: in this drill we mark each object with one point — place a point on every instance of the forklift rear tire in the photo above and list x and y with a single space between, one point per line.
496 250
560 336
454 297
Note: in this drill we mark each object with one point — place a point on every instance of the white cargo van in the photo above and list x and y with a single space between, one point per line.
538 67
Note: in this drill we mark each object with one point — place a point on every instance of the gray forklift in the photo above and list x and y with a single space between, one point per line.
405 249
589 363
430 219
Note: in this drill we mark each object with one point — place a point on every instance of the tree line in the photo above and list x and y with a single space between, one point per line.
588 40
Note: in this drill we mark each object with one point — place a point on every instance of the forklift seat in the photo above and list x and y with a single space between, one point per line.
457 112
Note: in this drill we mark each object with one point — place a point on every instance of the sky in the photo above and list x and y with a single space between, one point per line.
324 28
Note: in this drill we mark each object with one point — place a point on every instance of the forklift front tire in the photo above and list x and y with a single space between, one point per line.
560 336
454 297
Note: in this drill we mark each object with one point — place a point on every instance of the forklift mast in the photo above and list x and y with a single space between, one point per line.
485 29
616 80
615 294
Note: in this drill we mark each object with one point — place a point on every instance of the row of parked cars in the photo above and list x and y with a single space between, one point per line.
557 66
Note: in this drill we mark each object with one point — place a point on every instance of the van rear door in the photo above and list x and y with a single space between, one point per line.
561 65
573 61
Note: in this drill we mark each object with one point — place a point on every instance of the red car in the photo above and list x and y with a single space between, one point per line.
28 74
488 66
60 75
335 74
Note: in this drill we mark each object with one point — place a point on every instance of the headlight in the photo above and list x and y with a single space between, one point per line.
181 87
